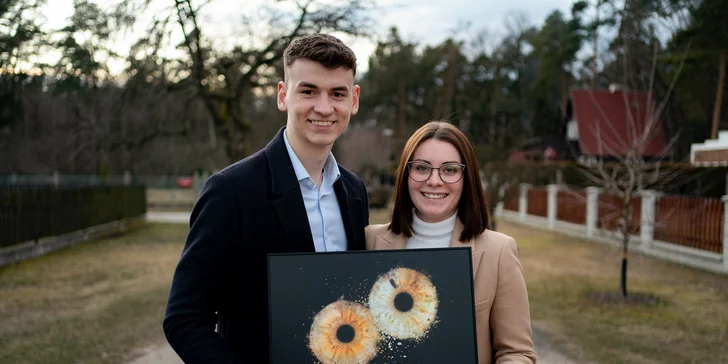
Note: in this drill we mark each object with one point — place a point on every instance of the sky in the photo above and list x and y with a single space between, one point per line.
427 22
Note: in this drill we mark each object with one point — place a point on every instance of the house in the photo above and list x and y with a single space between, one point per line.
713 152
548 148
606 124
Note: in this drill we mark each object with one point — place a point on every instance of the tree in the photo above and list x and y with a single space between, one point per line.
393 74
555 46
606 14
632 48
634 170
225 81
709 32
20 37
20 32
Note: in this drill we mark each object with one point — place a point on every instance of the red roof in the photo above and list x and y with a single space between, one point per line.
607 127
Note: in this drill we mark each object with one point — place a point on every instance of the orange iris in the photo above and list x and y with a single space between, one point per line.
344 332
404 303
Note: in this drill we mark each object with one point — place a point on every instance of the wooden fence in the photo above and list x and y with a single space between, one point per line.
537 202
694 222
510 199
690 221
611 208
571 206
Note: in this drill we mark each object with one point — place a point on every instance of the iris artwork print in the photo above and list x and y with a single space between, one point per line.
386 306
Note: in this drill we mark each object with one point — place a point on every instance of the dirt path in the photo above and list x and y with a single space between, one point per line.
547 354
164 354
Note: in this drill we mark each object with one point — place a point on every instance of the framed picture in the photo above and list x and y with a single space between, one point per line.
384 306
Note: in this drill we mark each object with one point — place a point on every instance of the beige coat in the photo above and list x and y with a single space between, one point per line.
502 312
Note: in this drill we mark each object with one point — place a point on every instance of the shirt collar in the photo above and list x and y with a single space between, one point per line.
331 168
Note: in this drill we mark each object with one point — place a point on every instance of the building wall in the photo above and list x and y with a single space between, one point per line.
719 156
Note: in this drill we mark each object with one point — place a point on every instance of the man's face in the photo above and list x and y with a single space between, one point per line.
319 102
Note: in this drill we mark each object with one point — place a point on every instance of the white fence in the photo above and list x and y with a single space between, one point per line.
593 228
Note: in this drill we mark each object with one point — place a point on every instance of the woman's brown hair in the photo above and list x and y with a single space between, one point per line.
472 209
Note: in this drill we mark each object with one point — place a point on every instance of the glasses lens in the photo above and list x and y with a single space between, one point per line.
420 171
451 173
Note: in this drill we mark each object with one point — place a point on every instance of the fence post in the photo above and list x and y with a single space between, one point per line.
553 193
725 233
647 218
592 210
523 201
499 204
205 175
127 178
197 183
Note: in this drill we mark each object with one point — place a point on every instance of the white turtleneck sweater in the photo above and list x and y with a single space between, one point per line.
431 235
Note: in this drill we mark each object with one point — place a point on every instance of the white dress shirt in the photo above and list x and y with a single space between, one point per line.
322 207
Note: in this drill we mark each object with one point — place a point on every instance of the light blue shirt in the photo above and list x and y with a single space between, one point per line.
322 207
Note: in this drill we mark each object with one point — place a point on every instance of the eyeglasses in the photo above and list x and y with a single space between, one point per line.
449 172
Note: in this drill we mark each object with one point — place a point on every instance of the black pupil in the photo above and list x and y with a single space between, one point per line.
345 333
403 302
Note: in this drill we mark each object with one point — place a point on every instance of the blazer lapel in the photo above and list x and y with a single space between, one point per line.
456 243
288 201
390 241
295 221
350 208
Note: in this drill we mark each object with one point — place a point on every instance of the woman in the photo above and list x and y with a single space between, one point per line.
438 203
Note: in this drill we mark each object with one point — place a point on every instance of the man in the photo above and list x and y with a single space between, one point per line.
290 196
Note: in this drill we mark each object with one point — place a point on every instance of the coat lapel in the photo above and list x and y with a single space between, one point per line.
350 207
456 243
287 199
390 241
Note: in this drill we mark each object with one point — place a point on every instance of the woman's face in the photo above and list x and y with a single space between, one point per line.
434 199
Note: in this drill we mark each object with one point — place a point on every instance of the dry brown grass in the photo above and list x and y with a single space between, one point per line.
98 302
92 303
687 324
379 216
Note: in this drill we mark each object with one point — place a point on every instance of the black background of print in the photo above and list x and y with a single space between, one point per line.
303 284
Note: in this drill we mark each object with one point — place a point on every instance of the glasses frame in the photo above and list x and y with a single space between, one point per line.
439 171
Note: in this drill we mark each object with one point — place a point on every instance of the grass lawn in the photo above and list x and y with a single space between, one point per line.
100 301
687 324
91 303
169 209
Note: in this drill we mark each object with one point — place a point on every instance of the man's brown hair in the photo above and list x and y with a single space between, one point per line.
325 49
472 208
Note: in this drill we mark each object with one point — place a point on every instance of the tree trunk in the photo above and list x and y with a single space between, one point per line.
564 93
449 89
626 220
718 95
596 50
401 114
623 280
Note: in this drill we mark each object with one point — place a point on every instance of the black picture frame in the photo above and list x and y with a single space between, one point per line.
392 326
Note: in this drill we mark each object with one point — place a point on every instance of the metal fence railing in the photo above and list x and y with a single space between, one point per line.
32 212
151 181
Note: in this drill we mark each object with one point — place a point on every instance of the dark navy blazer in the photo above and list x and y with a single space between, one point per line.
245 211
